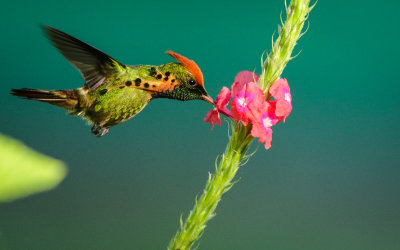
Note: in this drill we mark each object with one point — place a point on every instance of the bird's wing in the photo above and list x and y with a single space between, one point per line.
94 65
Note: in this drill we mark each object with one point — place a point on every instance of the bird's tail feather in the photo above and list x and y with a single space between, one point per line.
67 99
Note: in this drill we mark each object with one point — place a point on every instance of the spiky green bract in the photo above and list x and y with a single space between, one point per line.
235 153
217 184
281 52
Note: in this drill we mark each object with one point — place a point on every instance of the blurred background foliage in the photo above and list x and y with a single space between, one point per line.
24 172
330 180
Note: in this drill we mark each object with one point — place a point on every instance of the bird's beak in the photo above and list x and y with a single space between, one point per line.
208 99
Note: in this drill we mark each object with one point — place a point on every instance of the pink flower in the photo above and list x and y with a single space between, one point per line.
281 92
264 134
222 101
249 105
247 101
262 127
242 78
213 117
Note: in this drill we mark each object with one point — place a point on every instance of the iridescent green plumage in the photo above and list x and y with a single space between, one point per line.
115 92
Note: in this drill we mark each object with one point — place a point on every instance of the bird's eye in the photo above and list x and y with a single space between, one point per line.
191 82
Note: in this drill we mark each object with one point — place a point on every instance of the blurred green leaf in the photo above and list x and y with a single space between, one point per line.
24 172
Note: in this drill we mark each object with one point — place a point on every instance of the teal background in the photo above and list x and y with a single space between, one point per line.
330 181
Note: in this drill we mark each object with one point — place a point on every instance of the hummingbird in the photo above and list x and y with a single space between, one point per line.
114 92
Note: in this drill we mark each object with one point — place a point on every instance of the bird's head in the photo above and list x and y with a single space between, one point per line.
185 80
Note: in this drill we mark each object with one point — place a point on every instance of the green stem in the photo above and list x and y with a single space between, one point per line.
235 152
217 184
282 48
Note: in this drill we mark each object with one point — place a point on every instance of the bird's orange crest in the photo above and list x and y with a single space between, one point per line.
190 65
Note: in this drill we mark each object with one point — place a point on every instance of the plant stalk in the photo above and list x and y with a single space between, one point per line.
235 153
217 184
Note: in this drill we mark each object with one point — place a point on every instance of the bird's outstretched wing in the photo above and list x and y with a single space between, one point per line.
94 65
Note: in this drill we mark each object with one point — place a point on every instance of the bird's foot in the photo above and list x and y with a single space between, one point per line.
99 131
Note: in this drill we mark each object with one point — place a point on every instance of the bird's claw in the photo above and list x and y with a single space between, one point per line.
99 131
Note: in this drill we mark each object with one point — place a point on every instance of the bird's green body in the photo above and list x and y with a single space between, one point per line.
115 92
121 96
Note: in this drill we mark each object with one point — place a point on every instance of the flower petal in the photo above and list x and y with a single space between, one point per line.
264 134
242 78
213 117
246 76
223 98
248 103
283 109
239 107
279 88
281 92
